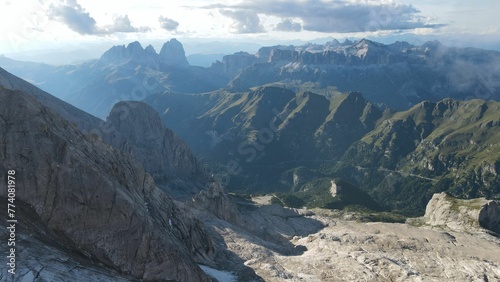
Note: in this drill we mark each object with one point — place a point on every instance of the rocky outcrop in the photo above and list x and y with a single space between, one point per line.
96 197
215 200
136 128
132 53
231 65
462 215
172 54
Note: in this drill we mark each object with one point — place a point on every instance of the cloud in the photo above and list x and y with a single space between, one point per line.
331 16
288 25
168 24
122 24
74 16
244 21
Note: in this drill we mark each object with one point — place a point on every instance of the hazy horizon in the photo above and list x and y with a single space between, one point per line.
37 28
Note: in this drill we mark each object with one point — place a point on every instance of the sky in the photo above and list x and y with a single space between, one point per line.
50 24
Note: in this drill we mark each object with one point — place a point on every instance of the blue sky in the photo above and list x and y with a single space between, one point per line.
45 24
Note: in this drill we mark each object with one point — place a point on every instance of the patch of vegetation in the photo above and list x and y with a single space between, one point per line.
288 200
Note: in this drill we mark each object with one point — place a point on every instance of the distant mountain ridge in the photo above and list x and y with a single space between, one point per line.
83 120
397 75
122 73
171 54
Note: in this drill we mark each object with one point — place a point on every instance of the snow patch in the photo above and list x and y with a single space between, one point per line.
221 276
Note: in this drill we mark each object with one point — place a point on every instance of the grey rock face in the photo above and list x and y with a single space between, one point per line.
98 198
215 200
43 255
133 52
489 216
231 65
462 215
136 128
172 53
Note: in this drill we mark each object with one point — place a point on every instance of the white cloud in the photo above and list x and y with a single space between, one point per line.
288 25
168 24
75 17
326 16
244 21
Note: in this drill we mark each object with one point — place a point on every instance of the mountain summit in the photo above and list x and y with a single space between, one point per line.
172 53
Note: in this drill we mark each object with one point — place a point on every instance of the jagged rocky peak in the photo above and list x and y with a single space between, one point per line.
136 128
351 106
114 54
150 49
133 52
347 42
135 47
367 43
172 53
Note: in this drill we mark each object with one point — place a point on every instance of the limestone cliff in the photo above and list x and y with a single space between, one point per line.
136 128
462 215
96 197
215 200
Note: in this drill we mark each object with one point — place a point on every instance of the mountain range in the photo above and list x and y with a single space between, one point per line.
264 137
88 189
122 73
139 192
397 75
262 116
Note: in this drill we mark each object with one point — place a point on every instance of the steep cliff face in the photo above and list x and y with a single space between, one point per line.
172 53
96 197
132 53
462 215
231 65
397 75
136 128
215 200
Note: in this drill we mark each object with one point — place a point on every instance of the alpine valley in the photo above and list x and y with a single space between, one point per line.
343 161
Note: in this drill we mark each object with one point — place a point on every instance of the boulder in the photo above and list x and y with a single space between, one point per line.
462 215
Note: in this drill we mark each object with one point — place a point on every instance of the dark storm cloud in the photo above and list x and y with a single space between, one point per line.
335 16
244 21
168 24
288 25
73 15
